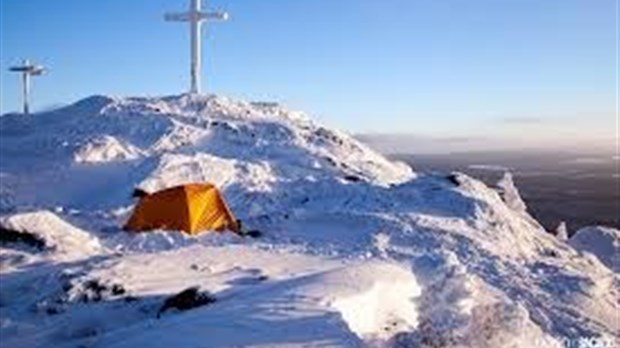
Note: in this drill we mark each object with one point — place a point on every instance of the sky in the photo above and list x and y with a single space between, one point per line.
519 72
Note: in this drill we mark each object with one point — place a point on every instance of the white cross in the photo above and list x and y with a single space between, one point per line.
27 70
195 18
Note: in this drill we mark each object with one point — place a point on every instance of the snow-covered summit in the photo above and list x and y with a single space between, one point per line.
189 124
173 132
474 268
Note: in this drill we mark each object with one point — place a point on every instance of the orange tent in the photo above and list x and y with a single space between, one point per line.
192 208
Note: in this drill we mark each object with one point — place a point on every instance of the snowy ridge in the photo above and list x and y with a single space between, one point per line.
357 248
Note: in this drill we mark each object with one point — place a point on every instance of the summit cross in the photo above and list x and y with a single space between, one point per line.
195 17
27 70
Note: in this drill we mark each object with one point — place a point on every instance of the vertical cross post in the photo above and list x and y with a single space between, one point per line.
195 17
27 70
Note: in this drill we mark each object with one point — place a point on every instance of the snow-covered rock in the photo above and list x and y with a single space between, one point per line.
603 242
561 232
107 149
56 233
510 194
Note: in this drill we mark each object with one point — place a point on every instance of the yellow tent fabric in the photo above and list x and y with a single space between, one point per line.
193 208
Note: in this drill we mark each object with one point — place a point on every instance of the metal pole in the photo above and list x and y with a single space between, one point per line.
195 18
195 46
26 85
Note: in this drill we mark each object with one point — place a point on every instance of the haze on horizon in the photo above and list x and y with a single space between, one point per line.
449 75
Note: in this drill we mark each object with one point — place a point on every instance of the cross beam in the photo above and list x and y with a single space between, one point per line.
27 70
195 17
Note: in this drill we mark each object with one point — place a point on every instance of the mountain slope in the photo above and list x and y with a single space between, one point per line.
474 269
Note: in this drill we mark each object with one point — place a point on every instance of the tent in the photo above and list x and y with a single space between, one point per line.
193 208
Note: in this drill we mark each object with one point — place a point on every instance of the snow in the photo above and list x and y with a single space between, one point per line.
561 232
509 192
106 149
56 233
180 169
317 302
603 242
356 250
382 309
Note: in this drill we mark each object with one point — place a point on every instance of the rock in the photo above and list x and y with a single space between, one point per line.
185 300
9 236
352 178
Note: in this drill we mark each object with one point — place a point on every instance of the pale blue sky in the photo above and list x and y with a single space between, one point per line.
431 67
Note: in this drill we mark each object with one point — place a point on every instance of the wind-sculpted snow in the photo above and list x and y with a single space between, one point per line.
355 250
